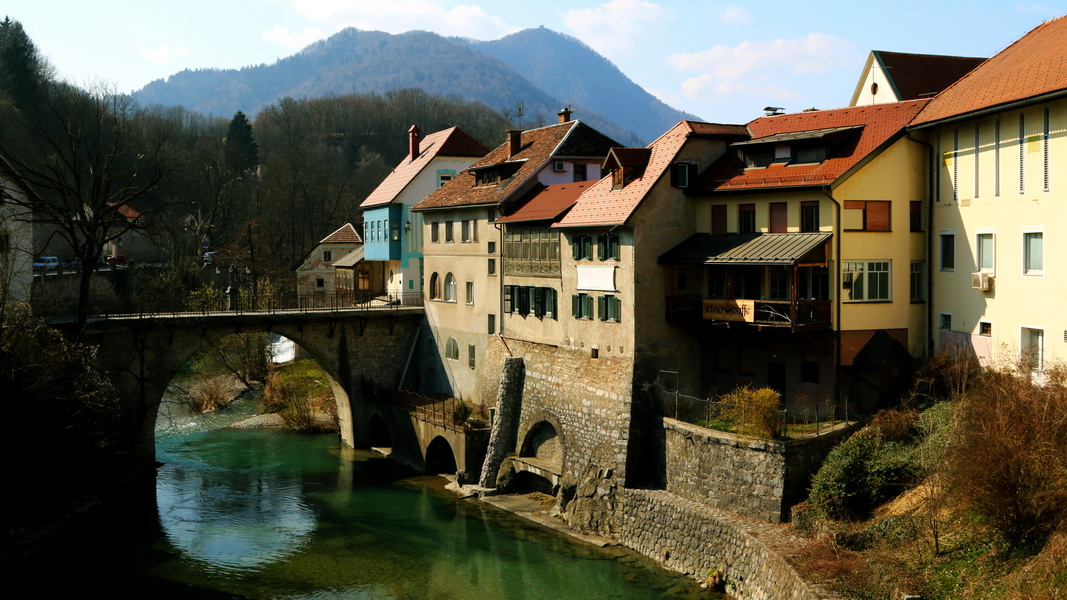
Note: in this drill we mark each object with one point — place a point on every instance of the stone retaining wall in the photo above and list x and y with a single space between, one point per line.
693 539
748 476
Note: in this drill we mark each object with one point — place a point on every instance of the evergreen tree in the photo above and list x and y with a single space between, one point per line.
242 152
22 70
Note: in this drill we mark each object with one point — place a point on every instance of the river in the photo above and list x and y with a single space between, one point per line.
258 514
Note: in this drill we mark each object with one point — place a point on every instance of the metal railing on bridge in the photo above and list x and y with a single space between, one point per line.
63 309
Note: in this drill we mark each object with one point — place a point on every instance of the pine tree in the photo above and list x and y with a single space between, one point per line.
242 151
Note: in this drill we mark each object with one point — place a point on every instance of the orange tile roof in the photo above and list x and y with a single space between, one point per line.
345 234
1036 64
537 147
545 203
880 122
923 75
449 142
604 205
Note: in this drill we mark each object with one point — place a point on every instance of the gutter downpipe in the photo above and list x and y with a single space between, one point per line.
828 192
500 278
929 242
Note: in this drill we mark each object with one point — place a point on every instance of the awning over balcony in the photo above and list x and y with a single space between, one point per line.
754 249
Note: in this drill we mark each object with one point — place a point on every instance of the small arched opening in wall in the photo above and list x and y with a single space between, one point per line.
543 443
440 458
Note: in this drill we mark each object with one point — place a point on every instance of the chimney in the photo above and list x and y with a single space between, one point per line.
514 142
564 115
413 142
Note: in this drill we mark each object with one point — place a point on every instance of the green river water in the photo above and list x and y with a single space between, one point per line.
256 514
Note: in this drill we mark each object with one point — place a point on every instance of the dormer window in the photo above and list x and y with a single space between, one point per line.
488 177
757 157
795 147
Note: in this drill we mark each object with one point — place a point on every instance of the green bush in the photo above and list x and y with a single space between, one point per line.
857 475
461 412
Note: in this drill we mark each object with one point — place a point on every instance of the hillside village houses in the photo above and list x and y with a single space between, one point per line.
392 234
462 243
817 253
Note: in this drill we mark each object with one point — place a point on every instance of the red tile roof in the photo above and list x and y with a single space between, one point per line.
346 234
604 205
917 76
537 148
545 203
1036 64
880 122
449 142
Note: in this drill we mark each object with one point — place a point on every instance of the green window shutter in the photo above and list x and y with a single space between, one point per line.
613 247
576 306
616 309
602 307
576 247
587 306
538 301
602 247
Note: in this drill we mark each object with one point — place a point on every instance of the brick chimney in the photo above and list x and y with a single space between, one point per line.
413 141
514 142
564 115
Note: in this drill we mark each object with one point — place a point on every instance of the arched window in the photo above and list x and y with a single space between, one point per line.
450 288
452 349
435 287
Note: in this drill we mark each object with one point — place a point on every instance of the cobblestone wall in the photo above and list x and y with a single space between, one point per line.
751 477
586 400
694 539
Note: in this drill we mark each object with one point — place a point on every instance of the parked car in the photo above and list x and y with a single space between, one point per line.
45 263
118 260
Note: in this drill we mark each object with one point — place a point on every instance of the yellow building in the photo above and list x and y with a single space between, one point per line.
997 138
806 274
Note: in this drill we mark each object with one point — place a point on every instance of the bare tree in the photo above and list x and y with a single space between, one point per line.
79 158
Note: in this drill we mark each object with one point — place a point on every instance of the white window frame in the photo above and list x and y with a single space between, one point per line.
864 271
978 255
1038 365
1027 231
941 233
470 292
450 288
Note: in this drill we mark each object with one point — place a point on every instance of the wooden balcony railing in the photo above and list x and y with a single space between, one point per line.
773 313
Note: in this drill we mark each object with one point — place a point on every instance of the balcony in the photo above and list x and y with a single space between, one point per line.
793 314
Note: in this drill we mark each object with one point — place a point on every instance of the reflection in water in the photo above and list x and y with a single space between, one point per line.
253 514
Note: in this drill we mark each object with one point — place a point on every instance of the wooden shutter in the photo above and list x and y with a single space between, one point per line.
779 217
877 216
718 219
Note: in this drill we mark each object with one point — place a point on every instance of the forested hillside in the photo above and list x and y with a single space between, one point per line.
541 68
565 67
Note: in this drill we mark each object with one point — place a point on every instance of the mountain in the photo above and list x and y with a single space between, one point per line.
564 67
497 74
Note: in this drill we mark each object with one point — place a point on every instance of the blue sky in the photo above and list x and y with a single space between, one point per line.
723 61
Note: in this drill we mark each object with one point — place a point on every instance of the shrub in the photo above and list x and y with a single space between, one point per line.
857 475
461 411
753 411
1009 456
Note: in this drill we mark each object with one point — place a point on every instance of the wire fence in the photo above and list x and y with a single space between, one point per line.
808 419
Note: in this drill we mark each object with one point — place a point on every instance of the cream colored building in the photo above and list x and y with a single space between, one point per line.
462 246
999 146
316 277
806 274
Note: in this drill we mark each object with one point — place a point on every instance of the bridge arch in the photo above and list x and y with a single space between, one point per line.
440 457
360 352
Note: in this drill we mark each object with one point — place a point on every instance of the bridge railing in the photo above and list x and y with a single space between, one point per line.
221 304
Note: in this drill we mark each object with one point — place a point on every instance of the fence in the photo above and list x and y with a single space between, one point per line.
440 412
58 309
809 420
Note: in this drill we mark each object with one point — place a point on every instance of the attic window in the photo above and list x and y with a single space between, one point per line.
488 177
757 157
682 175
809 153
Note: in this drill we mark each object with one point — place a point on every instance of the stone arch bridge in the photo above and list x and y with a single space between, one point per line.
365 352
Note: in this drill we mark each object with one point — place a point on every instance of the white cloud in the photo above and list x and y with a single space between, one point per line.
293 39
706 87
396 16
734 14
611 27
816 53
163 54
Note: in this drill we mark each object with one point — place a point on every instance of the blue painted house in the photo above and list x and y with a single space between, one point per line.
392 234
